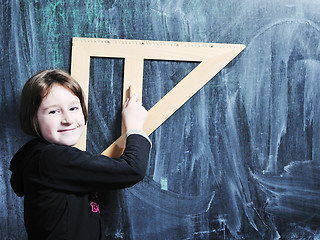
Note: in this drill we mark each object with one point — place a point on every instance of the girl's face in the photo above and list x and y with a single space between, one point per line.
60 117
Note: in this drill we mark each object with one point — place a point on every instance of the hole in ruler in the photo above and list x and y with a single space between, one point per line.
104 102
160 77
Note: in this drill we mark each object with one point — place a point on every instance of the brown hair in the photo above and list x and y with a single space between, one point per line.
36 88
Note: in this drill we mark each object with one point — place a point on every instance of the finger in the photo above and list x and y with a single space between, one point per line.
134 98
132 90
126 103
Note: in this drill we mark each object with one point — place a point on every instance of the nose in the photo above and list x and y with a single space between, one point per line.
66 119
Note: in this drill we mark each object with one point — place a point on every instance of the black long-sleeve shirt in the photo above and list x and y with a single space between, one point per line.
57 181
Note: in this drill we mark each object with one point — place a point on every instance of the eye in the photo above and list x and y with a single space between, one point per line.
53 111
74 108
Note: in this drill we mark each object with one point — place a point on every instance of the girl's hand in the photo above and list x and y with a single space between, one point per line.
134 115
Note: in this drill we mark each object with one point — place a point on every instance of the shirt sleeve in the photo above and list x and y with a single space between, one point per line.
70 169
138 131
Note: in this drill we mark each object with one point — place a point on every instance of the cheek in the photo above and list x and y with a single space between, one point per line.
46 131
46 127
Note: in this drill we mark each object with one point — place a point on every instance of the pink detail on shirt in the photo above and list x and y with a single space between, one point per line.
95 207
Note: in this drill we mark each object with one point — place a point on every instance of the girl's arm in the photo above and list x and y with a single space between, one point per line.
69 169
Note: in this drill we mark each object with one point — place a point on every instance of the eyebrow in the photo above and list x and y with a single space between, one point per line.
57 105
51 106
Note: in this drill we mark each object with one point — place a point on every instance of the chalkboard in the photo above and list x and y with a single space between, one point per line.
240 160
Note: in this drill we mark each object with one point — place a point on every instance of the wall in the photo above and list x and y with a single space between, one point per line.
240 159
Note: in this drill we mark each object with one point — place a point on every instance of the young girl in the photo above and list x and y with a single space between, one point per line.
58 180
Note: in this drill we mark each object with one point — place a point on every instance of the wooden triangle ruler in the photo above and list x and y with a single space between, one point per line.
212 57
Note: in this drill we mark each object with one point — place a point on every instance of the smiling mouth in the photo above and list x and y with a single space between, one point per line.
67 130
